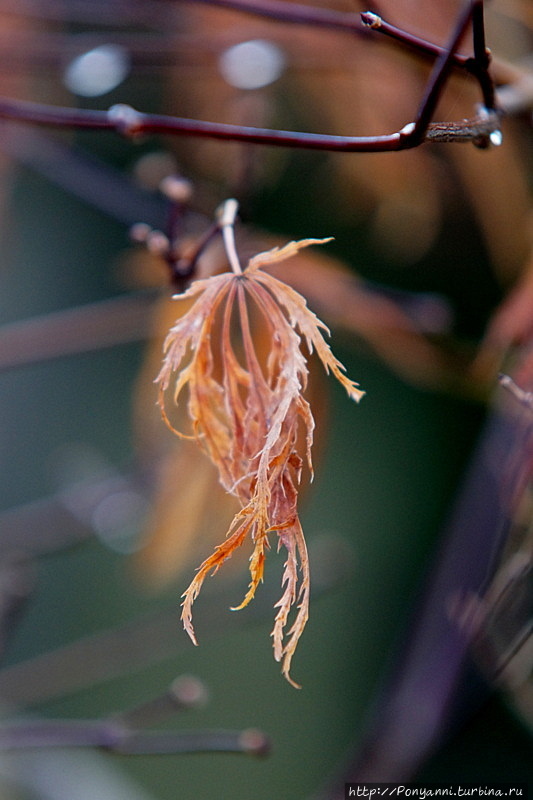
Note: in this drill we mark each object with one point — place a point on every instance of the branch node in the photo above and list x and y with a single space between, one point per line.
176 188
523 397
407 129
188 691
139 232
157 243
125 119
254 742
371 20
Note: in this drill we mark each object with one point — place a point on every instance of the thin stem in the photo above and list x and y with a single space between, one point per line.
292 12
182 268
478 33
227 214
376 23
184 693
480 64
117 739
523 397
84 329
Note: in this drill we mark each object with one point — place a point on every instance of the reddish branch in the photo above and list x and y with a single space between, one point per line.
297 13
127 121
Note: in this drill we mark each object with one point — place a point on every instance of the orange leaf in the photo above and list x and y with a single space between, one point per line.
246 412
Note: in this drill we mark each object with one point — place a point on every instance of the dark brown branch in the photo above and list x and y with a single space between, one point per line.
477 65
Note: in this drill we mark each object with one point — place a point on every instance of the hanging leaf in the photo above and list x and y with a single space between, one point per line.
246 413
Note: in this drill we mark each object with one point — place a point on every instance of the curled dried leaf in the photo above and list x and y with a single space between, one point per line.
246 412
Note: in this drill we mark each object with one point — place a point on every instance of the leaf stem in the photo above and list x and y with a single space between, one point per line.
226 216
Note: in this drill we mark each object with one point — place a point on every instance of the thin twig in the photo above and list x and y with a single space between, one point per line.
298 13
523 397
479 65
184 693
422 46
95 326
108 735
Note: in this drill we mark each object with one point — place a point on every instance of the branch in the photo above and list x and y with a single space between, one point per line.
439 76
108 735
297 13
523 397
124 119
127 121
422 46
120 733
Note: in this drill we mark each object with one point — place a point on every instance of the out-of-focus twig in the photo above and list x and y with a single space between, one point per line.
143 641
82 329
122 733
420 703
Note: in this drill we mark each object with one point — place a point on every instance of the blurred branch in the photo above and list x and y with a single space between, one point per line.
83 329
108 736
82 175
523 397
119 733
93 12
145 640
184 693
421 701
17 582
294 12
70 516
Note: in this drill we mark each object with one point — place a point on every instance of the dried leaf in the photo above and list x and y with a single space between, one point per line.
246 413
